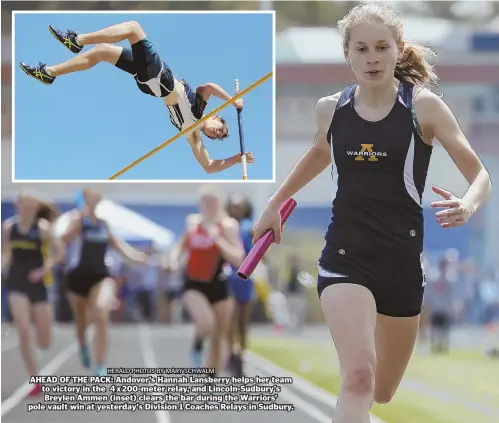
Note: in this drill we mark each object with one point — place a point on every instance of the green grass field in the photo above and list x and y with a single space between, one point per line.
462 387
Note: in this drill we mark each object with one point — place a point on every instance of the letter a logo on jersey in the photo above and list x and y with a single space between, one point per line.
367 150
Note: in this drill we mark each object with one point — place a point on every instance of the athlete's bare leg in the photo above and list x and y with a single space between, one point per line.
21 314
102 52
42 319
84 61
233 332
79 307
395 338
239 331
101 302
202 316
220 338
244 313
350 312
131 31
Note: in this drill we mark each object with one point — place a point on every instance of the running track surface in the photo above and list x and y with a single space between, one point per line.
141 346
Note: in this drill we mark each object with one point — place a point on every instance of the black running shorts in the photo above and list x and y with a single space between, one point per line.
214 291
152 75
81 281
395 278
35 292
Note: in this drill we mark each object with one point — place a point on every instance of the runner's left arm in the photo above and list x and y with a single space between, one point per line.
203 157
127 251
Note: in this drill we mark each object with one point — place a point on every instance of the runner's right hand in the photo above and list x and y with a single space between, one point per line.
270 219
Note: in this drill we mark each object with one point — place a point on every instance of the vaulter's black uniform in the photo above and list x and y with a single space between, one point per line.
375 237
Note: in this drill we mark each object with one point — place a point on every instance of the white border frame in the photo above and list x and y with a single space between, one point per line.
142 12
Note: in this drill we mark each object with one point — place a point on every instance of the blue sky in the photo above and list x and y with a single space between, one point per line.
89 125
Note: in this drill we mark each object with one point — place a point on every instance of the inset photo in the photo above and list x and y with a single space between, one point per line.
153 96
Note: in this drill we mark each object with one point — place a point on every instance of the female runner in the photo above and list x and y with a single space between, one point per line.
377 136
211 242
27 246
89 286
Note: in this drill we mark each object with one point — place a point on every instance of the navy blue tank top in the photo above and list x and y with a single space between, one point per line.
89 250
379 172
188 110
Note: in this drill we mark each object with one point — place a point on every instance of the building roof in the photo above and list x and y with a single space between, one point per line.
323 45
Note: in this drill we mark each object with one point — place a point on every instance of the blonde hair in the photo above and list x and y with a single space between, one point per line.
213 190
29 193
209 189
415 66
91 191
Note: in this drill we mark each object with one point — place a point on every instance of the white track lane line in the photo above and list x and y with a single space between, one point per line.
162 416
52 366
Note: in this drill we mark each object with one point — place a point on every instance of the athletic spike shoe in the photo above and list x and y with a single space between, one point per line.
35 391
38 72
100 371
85 357
67 38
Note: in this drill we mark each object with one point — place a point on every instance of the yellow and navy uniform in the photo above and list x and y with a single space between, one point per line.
375 237
29 252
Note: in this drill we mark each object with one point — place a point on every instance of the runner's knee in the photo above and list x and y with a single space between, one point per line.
134 31
133 27
79 309
105 53
205 329
100 316
23 330
359 378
